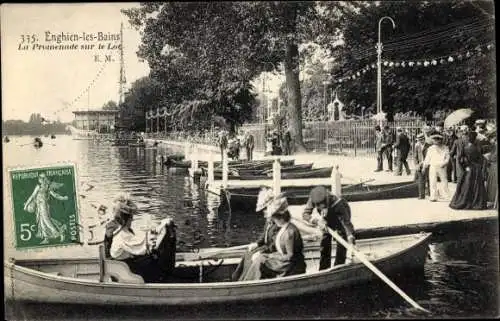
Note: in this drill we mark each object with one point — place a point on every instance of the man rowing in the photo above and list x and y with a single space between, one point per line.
335 213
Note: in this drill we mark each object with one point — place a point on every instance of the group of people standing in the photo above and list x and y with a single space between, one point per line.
277 144
464 156
233 145
460 155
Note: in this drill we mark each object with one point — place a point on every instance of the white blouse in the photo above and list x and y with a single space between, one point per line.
126 245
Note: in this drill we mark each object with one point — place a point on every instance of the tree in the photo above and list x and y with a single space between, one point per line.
423 30
110 105
230 41
143 95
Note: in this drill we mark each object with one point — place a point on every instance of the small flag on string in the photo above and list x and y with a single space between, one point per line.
426 63
434 62
450 59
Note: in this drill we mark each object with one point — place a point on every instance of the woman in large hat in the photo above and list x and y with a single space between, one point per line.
288 258
150 254
470 192
266 242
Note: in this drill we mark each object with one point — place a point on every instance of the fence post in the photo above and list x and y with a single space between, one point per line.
225 171
210 178
355 140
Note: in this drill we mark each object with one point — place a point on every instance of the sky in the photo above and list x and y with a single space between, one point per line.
46 82
54 82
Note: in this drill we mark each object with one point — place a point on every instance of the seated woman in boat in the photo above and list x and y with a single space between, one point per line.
266 243
150 254
288 259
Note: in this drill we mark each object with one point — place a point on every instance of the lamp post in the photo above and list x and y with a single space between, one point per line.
379 67
325 85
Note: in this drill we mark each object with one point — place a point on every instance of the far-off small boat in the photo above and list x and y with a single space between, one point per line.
52 136
37 142
6 139
204 277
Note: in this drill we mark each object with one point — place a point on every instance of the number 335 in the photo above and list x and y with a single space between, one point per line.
28 38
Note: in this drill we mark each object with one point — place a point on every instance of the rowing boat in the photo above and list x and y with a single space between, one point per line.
246 197
202 278
301 171
312 173
248 165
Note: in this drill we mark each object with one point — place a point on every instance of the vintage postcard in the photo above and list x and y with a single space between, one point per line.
250 160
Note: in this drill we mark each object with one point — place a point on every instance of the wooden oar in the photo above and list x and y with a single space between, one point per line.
374 269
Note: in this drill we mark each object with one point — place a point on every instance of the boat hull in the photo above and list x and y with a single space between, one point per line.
25 284
246 198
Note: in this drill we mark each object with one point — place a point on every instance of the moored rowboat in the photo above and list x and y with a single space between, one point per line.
246 197
77 280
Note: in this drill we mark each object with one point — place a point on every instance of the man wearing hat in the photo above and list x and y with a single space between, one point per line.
336 214
481 139
402 147
436 159
150 254
418 159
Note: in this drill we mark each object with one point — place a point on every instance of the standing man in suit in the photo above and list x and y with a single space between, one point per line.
249 145
387 141
402 145
379 148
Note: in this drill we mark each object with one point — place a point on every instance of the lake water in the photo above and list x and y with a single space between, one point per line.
460 278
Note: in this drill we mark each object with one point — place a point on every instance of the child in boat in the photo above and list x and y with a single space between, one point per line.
336 214
266 243
150 254
288 258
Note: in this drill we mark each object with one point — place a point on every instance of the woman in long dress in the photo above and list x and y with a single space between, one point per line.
492 172
266 243
47 227
288 259
471 192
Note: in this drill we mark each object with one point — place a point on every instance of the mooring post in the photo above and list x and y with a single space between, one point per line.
186 150
337 182
225 171
194 159
210 178
276 176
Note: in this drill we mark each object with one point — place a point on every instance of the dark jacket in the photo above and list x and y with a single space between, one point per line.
402 143
338 216
249 142
267 239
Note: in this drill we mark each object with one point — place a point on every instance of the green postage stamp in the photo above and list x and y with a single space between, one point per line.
45 206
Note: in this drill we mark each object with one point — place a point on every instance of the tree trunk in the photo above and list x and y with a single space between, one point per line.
294 97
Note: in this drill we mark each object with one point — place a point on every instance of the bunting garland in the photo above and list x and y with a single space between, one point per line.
478 51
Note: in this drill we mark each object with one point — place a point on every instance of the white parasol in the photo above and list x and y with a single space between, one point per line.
457 116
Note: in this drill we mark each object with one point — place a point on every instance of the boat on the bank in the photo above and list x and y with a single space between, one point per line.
137 144
311 173
204 277
254 174
246 165
245 198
